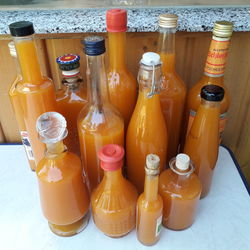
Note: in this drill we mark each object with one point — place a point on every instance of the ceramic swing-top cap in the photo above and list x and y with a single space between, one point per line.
152 164
182 162
150 59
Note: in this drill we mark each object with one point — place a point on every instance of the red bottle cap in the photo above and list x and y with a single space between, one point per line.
116 20
111 157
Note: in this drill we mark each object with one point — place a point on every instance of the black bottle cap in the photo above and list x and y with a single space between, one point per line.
68 62
212 93
22 28
94 45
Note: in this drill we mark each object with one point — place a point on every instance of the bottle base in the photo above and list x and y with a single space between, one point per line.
118 235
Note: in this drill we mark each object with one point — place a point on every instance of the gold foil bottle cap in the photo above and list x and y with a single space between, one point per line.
223 29
152 164
168 20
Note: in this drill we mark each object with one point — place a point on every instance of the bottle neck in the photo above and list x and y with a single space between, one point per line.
28 60
151 187
113 177
72 83
117 42
210 104
166 48
54 149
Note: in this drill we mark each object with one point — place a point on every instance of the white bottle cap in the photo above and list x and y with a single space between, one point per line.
182 161
152 164
150 59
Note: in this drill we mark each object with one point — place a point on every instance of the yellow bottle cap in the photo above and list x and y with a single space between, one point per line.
223 29
168 20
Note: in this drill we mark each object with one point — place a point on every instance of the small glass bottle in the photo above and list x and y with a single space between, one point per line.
99 123
150 205
63 190
71 98
202 143
180 190
114 200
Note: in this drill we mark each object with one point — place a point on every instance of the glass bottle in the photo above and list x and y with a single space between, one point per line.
71 98
213 73
180 189
114 200
174 90
202 141
13 94
63 191
147 132
99 123
150 205
35 93
121 83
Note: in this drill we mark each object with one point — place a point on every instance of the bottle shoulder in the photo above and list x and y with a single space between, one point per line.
150 205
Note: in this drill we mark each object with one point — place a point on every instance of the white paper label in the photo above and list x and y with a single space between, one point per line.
158 226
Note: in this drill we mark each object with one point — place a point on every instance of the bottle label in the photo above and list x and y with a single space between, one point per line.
217 55
27 146
158 226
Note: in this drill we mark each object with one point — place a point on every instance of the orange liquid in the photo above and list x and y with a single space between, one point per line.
172 102
180 196
121 83
147 134
202 144
114 204
70 103
96 129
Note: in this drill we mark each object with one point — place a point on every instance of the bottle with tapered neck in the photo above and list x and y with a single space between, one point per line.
174 91
147 132
35 93
63 190
213 74
150 205
121 83
71 98
99 123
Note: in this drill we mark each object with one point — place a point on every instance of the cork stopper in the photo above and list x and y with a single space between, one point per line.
168 20
152 164
223 29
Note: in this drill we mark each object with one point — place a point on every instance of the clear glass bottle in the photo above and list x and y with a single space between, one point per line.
71 98
99 123
147 132
150 205
63 190
180 190
114 200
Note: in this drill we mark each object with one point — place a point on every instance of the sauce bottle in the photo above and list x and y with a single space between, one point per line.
150 205
99 123
63 191
121 83
174 90
180 190
114 200
147 132
35 93
213 73
202 141
71 97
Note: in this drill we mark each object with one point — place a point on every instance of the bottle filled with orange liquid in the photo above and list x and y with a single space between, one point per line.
150 205
174 90
63 191
180 189
99 123
213 73
35 93
121 83
71 98
13 94
202 141
114 200
147 132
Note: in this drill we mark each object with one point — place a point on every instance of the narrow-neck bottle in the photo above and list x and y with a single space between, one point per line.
173 93
202 142
99 123
147 132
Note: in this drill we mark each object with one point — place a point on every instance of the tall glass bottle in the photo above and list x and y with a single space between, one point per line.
213 73
174 90
71 98
202 141
63 190
35 93
150 205
99 123
121 83
147 132
114 200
